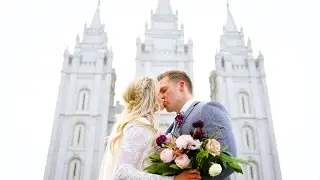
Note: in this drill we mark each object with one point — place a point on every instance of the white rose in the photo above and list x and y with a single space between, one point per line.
214 147
215 169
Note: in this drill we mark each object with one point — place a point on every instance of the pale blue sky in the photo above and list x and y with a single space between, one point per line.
34 34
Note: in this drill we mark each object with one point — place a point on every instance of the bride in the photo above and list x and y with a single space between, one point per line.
131 140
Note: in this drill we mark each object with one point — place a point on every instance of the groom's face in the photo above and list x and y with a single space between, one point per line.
170 93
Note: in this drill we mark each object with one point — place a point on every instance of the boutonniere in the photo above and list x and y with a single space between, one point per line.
179 119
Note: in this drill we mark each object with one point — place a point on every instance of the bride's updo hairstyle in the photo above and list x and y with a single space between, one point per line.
140 99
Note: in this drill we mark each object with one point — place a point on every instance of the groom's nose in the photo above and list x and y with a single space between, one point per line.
161 95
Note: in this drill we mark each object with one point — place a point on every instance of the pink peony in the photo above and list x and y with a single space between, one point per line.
166 155
169 138
184 141
182 161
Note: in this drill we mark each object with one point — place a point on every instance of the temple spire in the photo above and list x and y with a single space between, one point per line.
230 24
249 46
96 22
164 7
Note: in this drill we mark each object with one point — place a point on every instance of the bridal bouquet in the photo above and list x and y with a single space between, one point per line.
192 151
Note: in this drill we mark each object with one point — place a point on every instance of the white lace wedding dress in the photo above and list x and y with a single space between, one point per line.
129 161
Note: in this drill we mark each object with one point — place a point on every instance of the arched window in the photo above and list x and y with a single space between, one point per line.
222 62
70 60
186 48
78 135
248 138
105 60
143 47
253 171
74 169
257 64
244 103
83 99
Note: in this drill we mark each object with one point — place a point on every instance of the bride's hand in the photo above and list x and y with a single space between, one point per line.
188 174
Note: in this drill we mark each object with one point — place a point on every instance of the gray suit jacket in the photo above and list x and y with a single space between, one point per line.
215 118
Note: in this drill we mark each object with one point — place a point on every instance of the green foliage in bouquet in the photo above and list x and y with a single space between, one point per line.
191 152
161 168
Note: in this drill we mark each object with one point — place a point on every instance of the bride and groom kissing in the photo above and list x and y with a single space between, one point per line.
132 139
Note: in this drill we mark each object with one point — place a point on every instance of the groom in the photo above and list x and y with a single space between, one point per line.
176 92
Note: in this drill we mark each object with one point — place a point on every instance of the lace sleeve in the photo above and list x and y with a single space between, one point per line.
135 141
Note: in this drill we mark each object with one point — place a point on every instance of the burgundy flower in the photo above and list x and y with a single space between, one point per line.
161 140
179 119
198 134
198 124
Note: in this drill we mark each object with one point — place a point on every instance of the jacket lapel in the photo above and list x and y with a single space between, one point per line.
187 113
170 128
185 116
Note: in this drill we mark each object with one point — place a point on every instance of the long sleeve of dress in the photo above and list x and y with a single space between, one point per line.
136 140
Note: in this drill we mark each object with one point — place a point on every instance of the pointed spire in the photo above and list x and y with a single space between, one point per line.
138 40
230 24
249 47
66 52
77 39
182 26
260 56
164 7
96 22
190 41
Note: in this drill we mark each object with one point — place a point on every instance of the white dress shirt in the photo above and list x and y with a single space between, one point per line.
186 106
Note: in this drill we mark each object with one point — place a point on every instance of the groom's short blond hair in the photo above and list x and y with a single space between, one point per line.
177 75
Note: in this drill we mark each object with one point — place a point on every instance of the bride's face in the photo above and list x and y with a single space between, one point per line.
159 98
160 101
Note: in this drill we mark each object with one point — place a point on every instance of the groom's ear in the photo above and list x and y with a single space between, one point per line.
182 85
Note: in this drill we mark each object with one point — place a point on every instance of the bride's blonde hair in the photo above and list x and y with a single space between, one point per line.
140 99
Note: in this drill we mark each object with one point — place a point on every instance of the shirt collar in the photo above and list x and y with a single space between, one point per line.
186 106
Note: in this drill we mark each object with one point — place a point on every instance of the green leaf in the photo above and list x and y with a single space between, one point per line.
236 167
162 168
238 160
224 148
225 157
156 161
201 157
170 173
155 156
228 158
203 154
174 166
152 169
